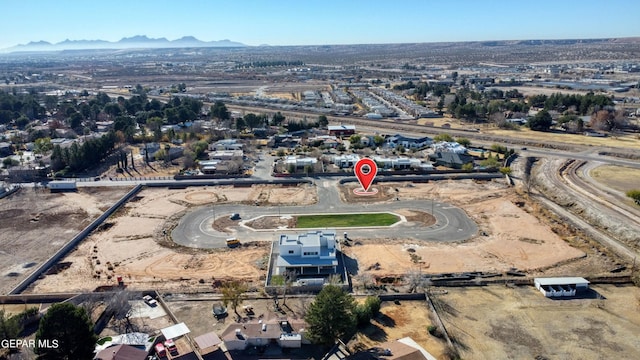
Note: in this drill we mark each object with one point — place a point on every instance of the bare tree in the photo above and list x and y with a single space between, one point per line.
415 280
121 308
365 279
90 304
335 279
303 306
530 182
285 280
187 161
528 178
498 119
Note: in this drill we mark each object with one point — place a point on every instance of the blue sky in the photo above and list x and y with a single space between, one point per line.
311 22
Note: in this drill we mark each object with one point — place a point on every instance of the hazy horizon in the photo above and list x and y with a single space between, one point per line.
329 22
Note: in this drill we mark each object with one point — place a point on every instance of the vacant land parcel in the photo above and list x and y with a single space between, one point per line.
130 244
498 322
36 223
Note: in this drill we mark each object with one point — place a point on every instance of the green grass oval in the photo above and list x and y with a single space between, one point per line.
346 220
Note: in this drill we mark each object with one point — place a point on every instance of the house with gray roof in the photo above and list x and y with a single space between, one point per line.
450 159
287 334
408 142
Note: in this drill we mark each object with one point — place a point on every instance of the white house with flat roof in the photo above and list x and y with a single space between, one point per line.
310 253
300 162
396 163
346 160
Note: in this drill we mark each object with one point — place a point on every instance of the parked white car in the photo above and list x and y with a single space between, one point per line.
150 301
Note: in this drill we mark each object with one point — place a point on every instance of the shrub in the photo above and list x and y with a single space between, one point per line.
635 195
373 303
432 329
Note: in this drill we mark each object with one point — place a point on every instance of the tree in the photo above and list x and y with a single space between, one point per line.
22 122
370 308
635 195
541 121
277 119
232 293
219 111
440 104
505 170
464 142
50 102
253 121
42 145
378 140
443 137
112 109
71 328
323 122
240 124
489 163
9 327
331 316
9 162
354 141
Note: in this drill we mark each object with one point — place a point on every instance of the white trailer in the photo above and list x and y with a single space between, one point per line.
62 185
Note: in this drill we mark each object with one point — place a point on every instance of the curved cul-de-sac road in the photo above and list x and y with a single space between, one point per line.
452 224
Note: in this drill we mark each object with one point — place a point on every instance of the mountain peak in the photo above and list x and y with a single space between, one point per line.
135 38
189 38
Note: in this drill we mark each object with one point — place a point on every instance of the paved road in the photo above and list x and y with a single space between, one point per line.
452 224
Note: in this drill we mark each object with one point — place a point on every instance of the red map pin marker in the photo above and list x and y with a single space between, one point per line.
365 170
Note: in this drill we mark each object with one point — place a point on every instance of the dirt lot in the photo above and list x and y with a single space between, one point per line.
513 238
37 223
385 192
497 322
126 245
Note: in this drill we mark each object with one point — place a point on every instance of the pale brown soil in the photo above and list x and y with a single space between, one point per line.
408 318
416 216
128 244
385 192
498 322
514 238
272 222
35 224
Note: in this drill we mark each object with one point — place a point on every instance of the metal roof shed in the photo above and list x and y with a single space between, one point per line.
208 340
561 286
578 281
175 331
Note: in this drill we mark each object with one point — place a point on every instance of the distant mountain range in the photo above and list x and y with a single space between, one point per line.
138 41
144 42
